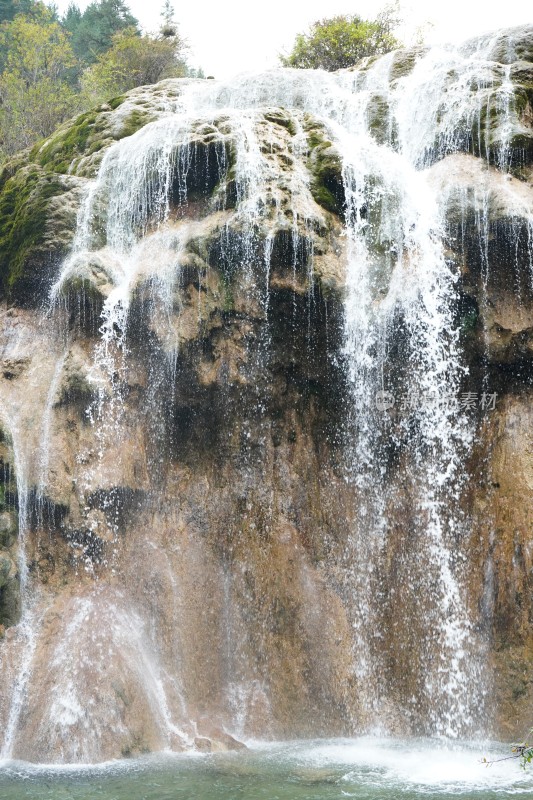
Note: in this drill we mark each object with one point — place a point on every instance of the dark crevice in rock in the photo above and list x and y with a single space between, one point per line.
120 504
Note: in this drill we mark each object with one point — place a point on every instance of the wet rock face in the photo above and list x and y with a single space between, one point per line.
9 572
488 221
164 481
230 519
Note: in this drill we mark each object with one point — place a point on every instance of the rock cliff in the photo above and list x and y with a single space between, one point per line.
265 384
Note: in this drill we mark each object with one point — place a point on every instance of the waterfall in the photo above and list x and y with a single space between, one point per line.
210 240
29 600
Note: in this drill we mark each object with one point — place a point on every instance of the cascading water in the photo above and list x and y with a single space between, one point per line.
248 180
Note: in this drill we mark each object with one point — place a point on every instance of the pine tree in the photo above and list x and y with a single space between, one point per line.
92 33
10 8
72 18
169 27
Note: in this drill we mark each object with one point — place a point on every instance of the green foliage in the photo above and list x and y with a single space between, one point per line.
35 46
524 751
72 18
10 8
34 91
341 41
168 27
52 69
93 30
134 61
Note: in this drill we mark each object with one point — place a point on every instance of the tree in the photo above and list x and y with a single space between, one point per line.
169 27
132 61
93 30
341 41
10 8
72 18
34 92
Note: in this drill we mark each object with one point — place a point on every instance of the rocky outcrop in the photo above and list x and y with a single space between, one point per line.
202 535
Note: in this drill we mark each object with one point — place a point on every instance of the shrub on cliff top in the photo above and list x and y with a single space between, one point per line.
341 41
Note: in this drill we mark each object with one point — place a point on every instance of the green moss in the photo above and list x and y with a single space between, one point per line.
283 119
227 295
23 215
378 118
95 147
324 197
325 166
316 140
316 134
134 122
115 102
58 152
83 137
365 63
469 321
403 62
81 287
523 99
487 137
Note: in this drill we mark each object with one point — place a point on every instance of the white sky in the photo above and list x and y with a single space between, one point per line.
230 36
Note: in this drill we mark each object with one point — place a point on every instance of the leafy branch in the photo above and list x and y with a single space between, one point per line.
522 751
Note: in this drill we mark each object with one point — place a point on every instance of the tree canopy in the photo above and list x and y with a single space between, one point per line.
52 67
134 60
341 41
35 93
93 30
9 8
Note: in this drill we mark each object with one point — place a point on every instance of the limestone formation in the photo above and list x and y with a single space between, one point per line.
221 514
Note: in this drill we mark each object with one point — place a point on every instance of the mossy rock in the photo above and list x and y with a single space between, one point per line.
8 526
500 134
10 606
515 44
24 218
115 102
70 141
494 134
280 117
87 134
37 221
133 122
522 74
403 62
6 569
363 65
325 166
379 120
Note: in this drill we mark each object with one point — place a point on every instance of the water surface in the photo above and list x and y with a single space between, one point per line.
366 769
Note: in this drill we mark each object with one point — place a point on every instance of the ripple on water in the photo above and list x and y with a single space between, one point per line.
366 769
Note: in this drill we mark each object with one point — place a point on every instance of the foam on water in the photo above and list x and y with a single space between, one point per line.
368 768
